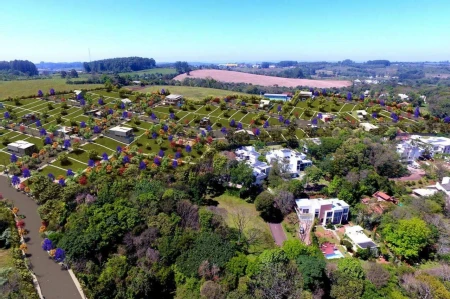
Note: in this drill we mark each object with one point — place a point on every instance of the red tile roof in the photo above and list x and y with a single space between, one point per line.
382 195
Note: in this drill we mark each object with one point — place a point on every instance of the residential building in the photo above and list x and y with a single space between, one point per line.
403 96
173 99
264 103
362 114
63 131
204 122
360 240
433 144
123 134
277 97
409 151
305 94
427 191
21 148
291 161
444 186
368 126
249 155
126 101
137 82
381 196
331 210
79 92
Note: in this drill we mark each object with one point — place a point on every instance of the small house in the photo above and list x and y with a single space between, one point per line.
126 101
63 131
173 99
137 82
381 196
204 122
362 114
305 94
21 148
277 97
360 240
368 126
123 134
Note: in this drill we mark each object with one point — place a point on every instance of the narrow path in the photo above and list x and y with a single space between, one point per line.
278 233
54 282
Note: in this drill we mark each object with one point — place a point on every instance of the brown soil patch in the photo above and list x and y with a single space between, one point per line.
238 77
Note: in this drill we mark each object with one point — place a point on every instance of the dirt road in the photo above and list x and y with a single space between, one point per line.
278 233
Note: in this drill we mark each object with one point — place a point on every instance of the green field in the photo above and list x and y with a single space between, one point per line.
31 87
164 71
194 93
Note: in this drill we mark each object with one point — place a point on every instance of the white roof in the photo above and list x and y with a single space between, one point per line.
305 93
403 96
121 129
126 101
21 144
433 140
174 97
363 112
425 192
249 132
275 95
357 235
77 92
368 126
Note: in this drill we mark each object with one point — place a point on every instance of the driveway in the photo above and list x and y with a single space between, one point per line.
278 233
54 282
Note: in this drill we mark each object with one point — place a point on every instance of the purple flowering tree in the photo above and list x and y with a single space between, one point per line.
239 126
70 172
188 148
51 176
177 155
382 103
122 106
319 115
374 115
82 124
243 103
15 180
125 114
361 97
174 164
447 119
314 121
153 116
163 91
161 153
42 132
279 108
157 161
266 124
91 163
417 112
154 135
280 118
232 123
62 182
47 140
142 165
97 129
60 255
110 111
287 122
6 115
119 149
26 173
52 92
165 128
223 130
172 115
13 158
66 143
82 102
349 96
80 97
316 93
257 132
203 134
324 92
47 244
125 160
105 157
40 93
101 102
170 138
38 123
208 128
311 90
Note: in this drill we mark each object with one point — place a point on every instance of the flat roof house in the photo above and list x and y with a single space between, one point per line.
409 151
123 134
250 156
331 210
368 126
21 148
360 240
173 99
444 186
126 101
277 97
294 161
434 144
305 94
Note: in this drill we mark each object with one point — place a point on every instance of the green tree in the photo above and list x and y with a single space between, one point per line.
408 237
313 271
264 203
242 174
351 267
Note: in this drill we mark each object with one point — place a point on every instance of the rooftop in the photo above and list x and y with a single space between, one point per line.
433 140
121 129
357 235
21 144
174 97
335 202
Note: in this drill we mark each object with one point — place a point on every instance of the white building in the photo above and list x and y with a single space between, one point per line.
444 186
173 99
409 151
21 148
126 101
362 114
359 239
121 131
403 96
368 126
250 156
305 94
331 210
292 161
434 144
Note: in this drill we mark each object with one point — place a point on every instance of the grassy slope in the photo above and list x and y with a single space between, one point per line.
30 87
197 93
231 204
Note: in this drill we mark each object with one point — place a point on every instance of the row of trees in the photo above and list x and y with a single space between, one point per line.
21 66
124 64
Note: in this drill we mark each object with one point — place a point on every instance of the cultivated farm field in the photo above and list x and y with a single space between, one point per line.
19 88
238 77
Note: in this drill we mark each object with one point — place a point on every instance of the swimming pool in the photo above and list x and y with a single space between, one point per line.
336 255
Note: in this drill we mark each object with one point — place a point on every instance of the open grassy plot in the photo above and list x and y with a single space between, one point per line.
347 107
229 205
96 147
109 142
80 155
216 112
31 87
5 158
194 93
72 164
53 170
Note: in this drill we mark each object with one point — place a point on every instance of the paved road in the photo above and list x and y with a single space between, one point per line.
54 282
278 233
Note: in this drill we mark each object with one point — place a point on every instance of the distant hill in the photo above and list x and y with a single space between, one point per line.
122 64
19 67
57 66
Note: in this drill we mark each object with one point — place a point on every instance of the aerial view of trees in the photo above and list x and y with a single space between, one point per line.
21 66
124 64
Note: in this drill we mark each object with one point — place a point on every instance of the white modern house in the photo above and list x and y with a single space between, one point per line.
409 151
123 134
360 240
126 101
444 186
293 162
173 99
434 144
403 96
368 126
331 210
362 114
21 148
250 156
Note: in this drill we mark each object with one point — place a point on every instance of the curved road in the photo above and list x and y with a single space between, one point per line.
54 282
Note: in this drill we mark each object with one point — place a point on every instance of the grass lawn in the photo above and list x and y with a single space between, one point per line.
98 148
53 170
194 93
228 205
31 87
80 155
5 159
5 258
109 143
347 107
74 165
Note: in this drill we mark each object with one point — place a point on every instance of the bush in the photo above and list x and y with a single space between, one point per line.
347 244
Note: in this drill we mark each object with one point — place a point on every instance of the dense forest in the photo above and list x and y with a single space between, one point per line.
124 64
19 67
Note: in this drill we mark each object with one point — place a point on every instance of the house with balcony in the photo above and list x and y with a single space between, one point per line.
333 210
433 144
409 151
291 161
249 155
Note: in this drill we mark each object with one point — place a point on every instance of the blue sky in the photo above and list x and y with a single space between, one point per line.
226 30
